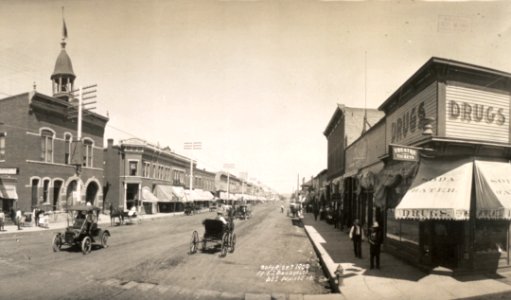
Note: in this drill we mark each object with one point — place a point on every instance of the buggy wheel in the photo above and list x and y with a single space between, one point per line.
225 244
56 243
86 245
104 239
233 243
204 245
194 242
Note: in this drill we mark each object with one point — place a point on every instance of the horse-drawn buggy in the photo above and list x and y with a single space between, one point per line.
243 212
84 231
216 232
129 217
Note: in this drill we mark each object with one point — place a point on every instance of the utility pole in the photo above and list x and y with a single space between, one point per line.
228 167
77 110
192 146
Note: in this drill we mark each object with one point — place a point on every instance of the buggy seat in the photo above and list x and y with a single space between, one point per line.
214 228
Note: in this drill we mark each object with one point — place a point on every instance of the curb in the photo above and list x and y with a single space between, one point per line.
329 266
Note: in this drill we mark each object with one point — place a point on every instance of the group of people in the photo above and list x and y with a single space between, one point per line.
375 239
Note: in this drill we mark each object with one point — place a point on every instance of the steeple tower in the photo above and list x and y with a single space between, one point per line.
63 76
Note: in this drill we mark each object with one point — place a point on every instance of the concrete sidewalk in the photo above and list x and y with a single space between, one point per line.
103 220
395 279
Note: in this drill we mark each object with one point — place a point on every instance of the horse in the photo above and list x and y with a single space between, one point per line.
116 213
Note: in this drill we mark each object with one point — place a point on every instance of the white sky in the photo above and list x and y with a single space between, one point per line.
255 81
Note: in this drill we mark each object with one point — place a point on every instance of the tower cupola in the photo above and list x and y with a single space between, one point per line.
63 76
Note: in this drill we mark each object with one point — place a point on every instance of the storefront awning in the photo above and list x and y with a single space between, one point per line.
169 193
493 190
8 190
440 191
147 196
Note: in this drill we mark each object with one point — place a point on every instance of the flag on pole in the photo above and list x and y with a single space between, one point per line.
64 29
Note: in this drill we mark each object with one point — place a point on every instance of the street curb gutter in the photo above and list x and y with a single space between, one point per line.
329 266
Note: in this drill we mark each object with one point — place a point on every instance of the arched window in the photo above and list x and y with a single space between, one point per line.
46 190
87 153
47 145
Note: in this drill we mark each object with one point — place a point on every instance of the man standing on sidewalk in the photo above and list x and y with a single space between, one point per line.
18 218
375 239
356 237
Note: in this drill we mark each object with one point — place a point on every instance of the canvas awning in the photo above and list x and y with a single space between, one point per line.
204 195
8 189
493 190
169 193
440 191
147 196
191 195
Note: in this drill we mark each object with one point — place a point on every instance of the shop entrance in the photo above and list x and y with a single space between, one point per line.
132 195
443 241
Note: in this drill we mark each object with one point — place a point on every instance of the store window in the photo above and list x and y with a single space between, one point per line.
491 236
402 230
46 145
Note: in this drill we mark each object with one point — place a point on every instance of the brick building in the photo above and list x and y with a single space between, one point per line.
37 140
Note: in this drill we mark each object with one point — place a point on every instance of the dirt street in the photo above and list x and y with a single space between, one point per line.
151 260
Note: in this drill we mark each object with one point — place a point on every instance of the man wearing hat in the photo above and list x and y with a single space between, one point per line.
375 239
220 216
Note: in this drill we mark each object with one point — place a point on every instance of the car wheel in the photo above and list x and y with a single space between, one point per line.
104 239
86 245
57 242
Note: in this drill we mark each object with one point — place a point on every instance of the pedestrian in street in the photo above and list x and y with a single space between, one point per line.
316 212
281 209
18 219
2 220
356 237
375 239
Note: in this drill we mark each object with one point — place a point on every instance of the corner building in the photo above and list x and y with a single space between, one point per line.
37 137
444 192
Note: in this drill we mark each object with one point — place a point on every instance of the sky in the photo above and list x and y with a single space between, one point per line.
256 82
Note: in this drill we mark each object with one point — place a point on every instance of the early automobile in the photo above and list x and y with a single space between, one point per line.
218 234
83 231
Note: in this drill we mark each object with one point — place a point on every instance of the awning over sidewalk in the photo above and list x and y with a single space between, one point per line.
147 196
493 190
8 189
440 191
169 193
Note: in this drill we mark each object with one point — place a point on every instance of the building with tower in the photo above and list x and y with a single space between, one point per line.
38 136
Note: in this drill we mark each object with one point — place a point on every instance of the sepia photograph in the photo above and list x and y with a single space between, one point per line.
255 149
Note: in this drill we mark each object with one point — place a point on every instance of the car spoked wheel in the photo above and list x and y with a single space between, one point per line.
86 245
104 239
57 242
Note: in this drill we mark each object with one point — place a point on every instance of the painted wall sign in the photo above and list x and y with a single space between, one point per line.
476 114
9 171
405 125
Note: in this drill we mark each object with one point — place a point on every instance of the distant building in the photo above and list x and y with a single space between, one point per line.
138 174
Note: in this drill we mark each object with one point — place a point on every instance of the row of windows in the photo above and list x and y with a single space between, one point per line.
157 171
48 144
